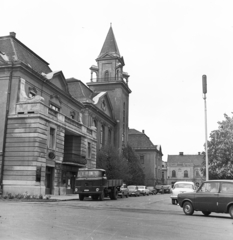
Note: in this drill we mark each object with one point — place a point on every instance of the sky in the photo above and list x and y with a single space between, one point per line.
167 46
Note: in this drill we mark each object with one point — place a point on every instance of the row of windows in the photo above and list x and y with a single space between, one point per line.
185 173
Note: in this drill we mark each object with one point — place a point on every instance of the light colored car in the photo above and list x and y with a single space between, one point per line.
181 187
124 191
143 190
133 191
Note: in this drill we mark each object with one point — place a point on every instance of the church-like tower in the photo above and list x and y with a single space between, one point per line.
108 76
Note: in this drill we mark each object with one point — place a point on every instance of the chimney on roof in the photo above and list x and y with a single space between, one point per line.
181 153
13 34
143 131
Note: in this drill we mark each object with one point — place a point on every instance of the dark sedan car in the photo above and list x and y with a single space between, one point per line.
211 196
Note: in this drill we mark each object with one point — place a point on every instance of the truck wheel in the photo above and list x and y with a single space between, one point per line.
114 194
101 196
81 197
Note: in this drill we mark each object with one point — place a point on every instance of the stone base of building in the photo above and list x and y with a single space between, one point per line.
30 190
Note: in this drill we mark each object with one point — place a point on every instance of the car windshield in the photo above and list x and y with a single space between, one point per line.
90 174
141 187
183 185
151 188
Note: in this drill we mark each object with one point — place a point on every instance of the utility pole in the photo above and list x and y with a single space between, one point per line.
204 90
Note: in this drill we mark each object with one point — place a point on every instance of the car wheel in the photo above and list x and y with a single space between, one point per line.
231 211
188 208
206 213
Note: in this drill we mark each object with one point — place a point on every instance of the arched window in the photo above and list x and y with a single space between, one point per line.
197 174
186 173
173 173
106 76
118 75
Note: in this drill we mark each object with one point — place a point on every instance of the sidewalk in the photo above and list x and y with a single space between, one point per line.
65 197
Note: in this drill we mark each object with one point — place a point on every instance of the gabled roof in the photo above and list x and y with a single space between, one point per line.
195 159
110 45
57 78
13 50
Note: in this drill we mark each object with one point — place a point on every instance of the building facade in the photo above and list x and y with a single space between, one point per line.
52 126
44 140
150 156
185 168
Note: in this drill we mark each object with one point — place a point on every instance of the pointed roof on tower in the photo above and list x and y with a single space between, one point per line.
110 44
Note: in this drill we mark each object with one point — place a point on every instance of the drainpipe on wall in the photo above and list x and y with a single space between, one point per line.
5 126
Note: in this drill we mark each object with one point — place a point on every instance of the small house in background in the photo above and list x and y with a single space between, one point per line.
183 167
150 156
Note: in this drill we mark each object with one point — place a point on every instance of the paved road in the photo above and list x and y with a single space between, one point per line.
149 217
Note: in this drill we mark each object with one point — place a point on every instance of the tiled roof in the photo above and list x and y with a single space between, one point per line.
134 131
17 51
110 44
79 90
195 159
139 140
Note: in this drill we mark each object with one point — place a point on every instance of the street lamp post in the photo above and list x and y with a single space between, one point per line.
204 89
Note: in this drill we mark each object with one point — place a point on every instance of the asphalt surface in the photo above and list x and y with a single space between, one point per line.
149 217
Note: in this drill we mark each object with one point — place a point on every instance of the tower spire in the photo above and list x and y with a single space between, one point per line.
110 44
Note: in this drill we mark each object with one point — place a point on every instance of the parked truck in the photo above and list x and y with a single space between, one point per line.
94 183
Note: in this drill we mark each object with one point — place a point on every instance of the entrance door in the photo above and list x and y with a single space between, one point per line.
49 180
70 182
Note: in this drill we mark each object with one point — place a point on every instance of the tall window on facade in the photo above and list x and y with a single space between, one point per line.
173 173
142 159
118 75
89 150
102 136
52 138
95 123
106 76
186 173
123 125
109 136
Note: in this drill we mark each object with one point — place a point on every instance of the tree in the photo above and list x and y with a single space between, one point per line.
136 175
109 159
220 150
